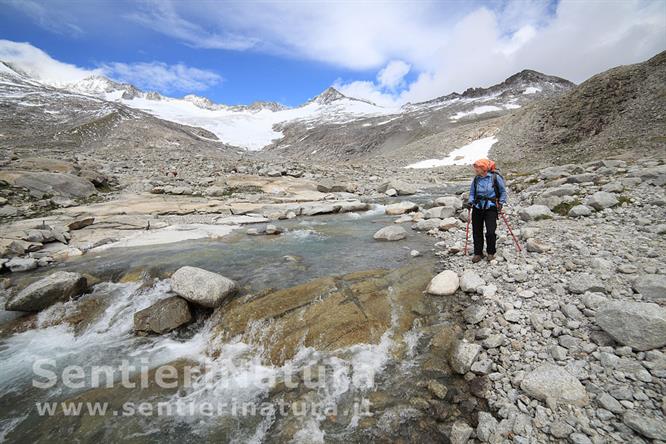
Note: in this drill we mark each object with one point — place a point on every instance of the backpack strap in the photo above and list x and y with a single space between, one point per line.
476 191
496 187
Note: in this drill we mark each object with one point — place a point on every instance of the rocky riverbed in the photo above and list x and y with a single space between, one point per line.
359 269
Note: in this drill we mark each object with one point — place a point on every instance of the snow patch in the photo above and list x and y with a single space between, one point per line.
465 155
531 90
476 111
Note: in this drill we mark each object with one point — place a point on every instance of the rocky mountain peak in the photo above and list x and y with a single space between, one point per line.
329 95
97 84
260 104
529 76
201 102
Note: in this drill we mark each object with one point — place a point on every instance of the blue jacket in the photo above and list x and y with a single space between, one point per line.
485 188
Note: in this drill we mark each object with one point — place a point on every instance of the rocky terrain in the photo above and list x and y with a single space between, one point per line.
616 113
126 235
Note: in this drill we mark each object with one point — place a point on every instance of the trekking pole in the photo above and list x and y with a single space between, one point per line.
506 222
469 217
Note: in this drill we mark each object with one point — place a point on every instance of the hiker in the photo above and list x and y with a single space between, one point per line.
487 194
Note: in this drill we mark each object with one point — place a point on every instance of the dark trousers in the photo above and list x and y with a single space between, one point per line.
479 218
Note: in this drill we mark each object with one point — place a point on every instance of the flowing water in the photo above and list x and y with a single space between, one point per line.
310 248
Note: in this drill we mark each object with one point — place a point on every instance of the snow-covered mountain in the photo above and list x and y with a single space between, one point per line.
322 120
246 126
37 117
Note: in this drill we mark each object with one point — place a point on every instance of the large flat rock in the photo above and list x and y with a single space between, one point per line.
328 313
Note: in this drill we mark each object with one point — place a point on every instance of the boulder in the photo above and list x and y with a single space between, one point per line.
273 229
427 224
321 208
402 188
639 325
163 316
549 201
551 383
202 287
17 264
470 281
444 284
651 286
535 212
554 172
82 222
353 205
602 200
448 224
565 190
449 201
580 211
401 208
463 356
583 282
57 287
439 213
390 233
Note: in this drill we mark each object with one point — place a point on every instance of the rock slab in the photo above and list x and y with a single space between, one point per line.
640 325
57 287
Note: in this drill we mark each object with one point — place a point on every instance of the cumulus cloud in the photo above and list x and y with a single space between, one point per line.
147 75
162 77
447 46
578 41
38 64
392 75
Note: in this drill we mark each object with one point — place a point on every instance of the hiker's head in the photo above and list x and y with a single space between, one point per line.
482 166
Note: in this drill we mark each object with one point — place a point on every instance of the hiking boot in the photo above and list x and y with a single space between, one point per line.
490 257
476 258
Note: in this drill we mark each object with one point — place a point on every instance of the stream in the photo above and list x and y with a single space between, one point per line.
311 247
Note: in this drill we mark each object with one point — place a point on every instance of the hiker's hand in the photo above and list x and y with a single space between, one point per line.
467 205
500 205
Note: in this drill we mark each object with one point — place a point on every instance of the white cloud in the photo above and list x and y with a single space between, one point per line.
161 16
392 75
449 46
153 75
38 64
162 77
578 41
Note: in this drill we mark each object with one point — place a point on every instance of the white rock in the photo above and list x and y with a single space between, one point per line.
602 200
401 208
391 233
202 287
444 284
535 212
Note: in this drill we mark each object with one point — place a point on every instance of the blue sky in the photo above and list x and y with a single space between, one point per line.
388 52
